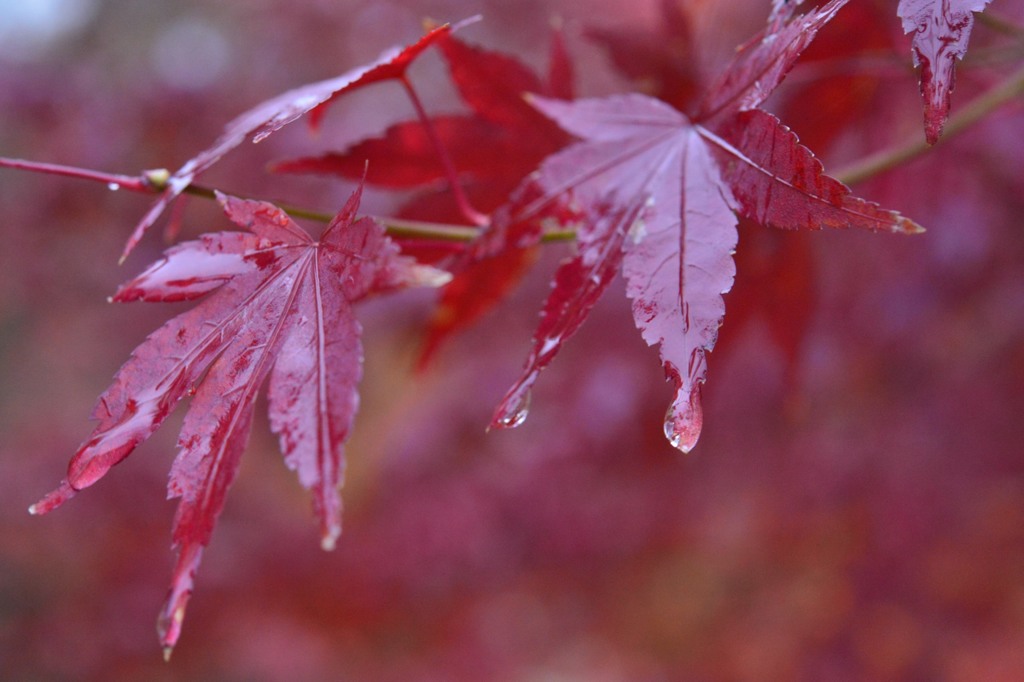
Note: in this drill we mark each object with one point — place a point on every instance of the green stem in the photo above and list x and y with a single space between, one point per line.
414 228
396 227
980 107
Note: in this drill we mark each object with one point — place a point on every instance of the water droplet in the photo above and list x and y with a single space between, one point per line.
514 409
550 345
684 419
113 186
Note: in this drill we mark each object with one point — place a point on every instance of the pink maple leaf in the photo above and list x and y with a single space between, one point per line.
270 116
280 307
941 31
659 192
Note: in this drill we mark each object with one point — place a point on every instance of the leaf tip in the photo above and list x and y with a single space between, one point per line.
329 510
907 226
169 629
468 21
61 494
172 615
936 110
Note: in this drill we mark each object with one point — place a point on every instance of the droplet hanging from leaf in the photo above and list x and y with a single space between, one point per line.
684 420
514 408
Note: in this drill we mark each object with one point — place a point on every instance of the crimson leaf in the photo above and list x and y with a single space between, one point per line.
761 64
941 30
656 204
658 193
405 155
272 115
491 149
281 307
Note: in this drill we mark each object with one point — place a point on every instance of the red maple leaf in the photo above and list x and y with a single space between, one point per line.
281 308
275 113
659 193
496 145
775 271
941 31
491 149
493 84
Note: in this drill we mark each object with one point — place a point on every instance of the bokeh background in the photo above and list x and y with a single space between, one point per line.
854 510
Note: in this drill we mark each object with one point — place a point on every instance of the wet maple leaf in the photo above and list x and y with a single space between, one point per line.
491 149
405 157
275 113
499 142
775 272
280 307
659 193
941 31
494 84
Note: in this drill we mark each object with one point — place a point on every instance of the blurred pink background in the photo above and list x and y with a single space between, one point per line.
857 514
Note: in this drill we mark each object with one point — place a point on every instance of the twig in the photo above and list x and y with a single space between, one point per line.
154 182
980 107
131 183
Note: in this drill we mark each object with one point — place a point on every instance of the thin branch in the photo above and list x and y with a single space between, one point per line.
396 227
980 107
154 181
131 183
415 228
